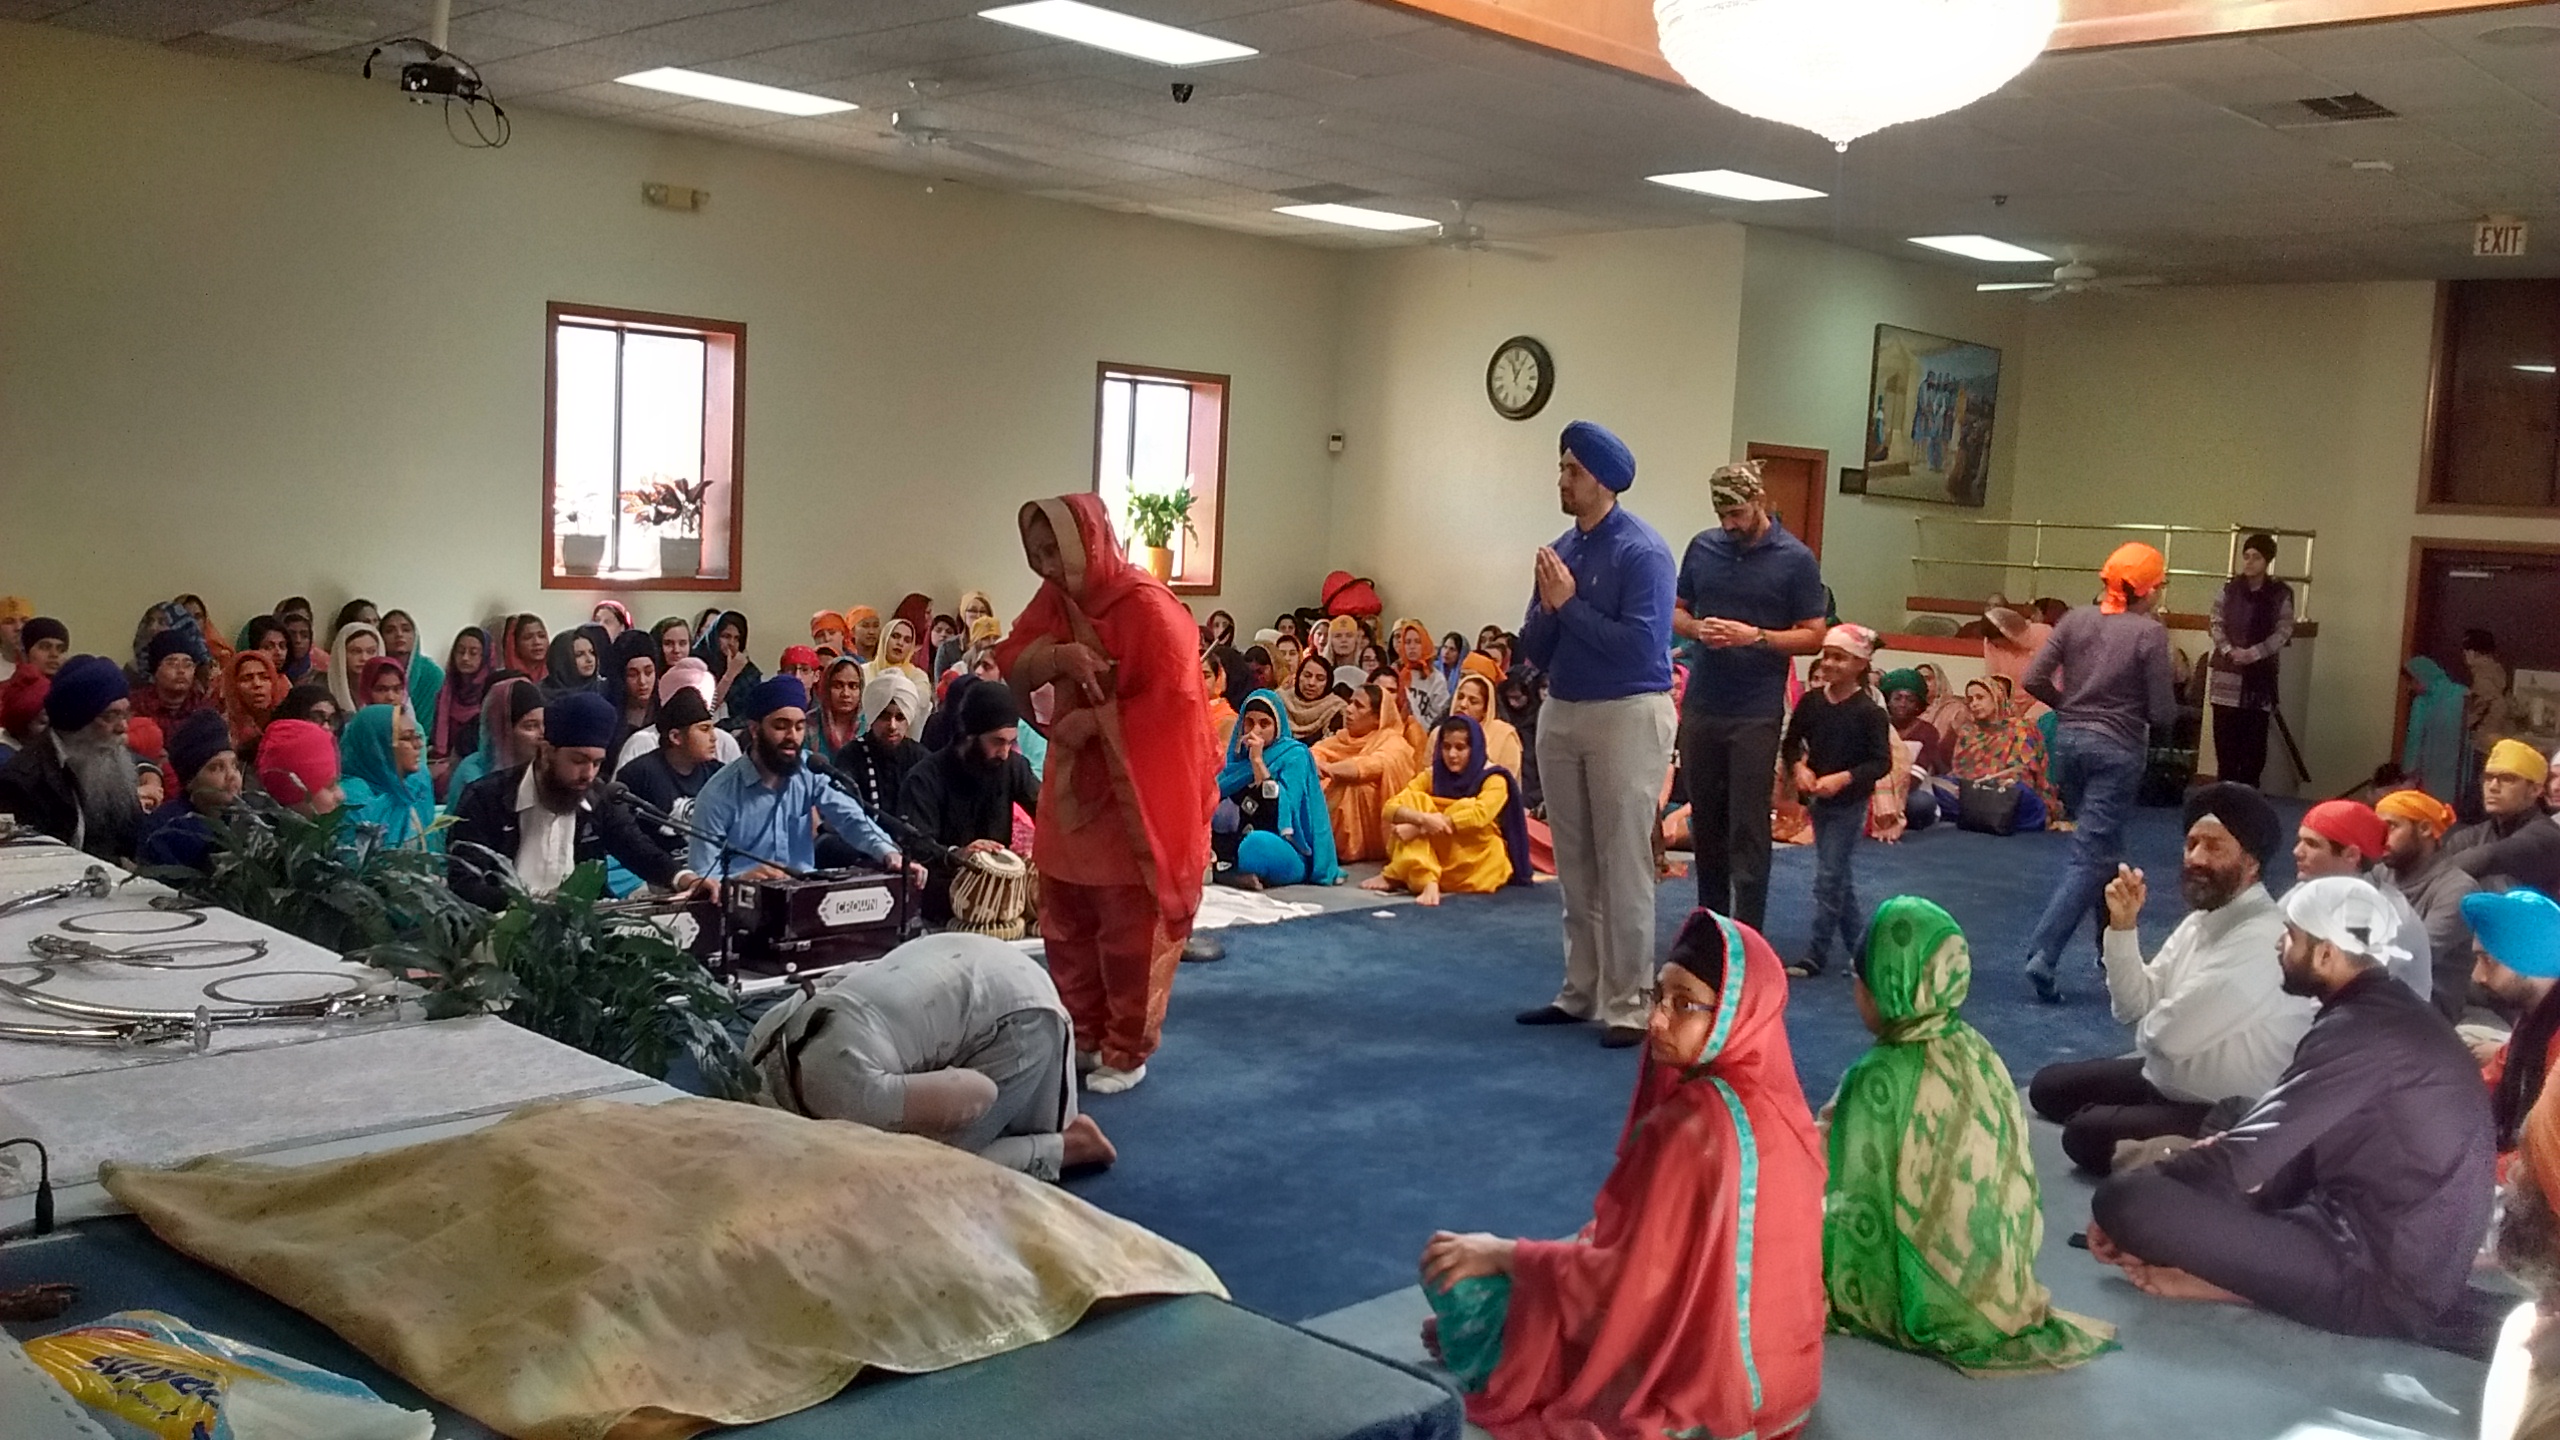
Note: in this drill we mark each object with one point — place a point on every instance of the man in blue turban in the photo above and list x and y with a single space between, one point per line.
76 782
1599 626
752 819
545 819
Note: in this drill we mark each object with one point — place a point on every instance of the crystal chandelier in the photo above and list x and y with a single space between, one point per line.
1846 68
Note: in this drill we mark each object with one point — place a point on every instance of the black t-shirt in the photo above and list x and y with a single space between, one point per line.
1852 735
656 783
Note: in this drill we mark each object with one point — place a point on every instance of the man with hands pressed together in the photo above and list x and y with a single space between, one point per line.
1599 626
1750 596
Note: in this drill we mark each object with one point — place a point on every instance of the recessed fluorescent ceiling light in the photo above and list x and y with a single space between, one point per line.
1980 247
735 92
2540 369
1734 185
1357 217
1122 34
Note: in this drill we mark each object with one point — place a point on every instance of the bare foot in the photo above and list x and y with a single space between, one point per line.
2173 1284
1379 883
1086 1144
2103 1249
1431 1340
1430 894
38 1302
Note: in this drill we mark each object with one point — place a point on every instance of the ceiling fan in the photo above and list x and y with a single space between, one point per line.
925 129
1463 233
2072 277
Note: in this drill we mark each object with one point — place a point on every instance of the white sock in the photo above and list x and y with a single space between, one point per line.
1106 1080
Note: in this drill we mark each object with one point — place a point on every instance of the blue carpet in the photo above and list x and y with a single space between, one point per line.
1341 1086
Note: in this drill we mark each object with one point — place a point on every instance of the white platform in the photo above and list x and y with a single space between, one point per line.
287 1093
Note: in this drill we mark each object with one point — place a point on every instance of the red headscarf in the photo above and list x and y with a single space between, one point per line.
917 611
1693 1301
1155 729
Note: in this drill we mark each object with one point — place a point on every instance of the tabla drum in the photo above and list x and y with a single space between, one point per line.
991 894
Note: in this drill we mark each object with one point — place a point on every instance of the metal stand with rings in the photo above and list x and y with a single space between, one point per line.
90 924
160 955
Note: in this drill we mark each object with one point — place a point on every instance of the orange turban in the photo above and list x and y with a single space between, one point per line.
2135 567
2540 1143
2418 808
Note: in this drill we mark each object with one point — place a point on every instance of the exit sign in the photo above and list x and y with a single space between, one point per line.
2502 239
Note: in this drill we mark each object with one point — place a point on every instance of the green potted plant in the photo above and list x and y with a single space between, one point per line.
1155 515
673 508
558 965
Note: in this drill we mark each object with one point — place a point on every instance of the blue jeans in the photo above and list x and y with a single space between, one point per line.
2098 776
1838 825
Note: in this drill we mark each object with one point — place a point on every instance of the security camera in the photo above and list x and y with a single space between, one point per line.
1181 92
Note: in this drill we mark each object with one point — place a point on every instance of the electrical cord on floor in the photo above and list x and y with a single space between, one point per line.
44 1182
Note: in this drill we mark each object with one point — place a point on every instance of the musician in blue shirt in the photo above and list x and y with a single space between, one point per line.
1599 625
767 803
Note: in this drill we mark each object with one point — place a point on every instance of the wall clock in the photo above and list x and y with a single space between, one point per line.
1520 378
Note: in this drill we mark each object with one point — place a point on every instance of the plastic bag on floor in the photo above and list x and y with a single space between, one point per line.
143 1375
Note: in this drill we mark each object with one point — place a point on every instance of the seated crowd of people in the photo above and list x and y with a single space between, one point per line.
2326 1086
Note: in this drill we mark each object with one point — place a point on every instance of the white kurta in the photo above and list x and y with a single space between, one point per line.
2210 1016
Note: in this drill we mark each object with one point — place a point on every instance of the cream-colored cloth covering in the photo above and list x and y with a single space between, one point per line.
594 1269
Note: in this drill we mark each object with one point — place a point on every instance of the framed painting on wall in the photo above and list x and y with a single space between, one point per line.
1930 406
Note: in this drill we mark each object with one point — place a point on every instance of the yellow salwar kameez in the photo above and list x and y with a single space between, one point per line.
1382 762
1469 861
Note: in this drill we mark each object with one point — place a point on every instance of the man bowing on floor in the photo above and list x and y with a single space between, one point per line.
1122 837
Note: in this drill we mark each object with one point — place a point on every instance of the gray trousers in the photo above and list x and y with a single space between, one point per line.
1008 1100
1602 763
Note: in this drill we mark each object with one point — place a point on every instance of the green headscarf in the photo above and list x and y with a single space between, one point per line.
1932 1217
1905 680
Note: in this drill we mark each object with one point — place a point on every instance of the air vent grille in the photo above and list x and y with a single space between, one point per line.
2338 109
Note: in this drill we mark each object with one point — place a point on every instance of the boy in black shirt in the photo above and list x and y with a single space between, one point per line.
1838 745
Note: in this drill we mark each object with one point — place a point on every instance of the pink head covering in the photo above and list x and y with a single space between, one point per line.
687 673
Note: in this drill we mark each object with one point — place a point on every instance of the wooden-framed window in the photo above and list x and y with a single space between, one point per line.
1157 430
644 447
2493 402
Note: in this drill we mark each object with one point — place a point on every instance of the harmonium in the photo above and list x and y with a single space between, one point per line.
803 923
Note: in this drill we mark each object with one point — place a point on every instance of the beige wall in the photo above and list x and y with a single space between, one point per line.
1809 315
270 331
2287 405
1442 499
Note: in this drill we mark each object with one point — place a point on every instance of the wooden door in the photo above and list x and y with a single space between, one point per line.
2504 588
1794 479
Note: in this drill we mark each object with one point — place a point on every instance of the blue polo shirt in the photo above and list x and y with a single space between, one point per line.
1772 584
1613 638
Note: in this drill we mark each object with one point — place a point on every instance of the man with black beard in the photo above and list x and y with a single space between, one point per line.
2209 1023
547 818
758 808
76 782
960 799
2354 1194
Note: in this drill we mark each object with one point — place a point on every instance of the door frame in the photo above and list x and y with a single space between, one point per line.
2419 546
1806 527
